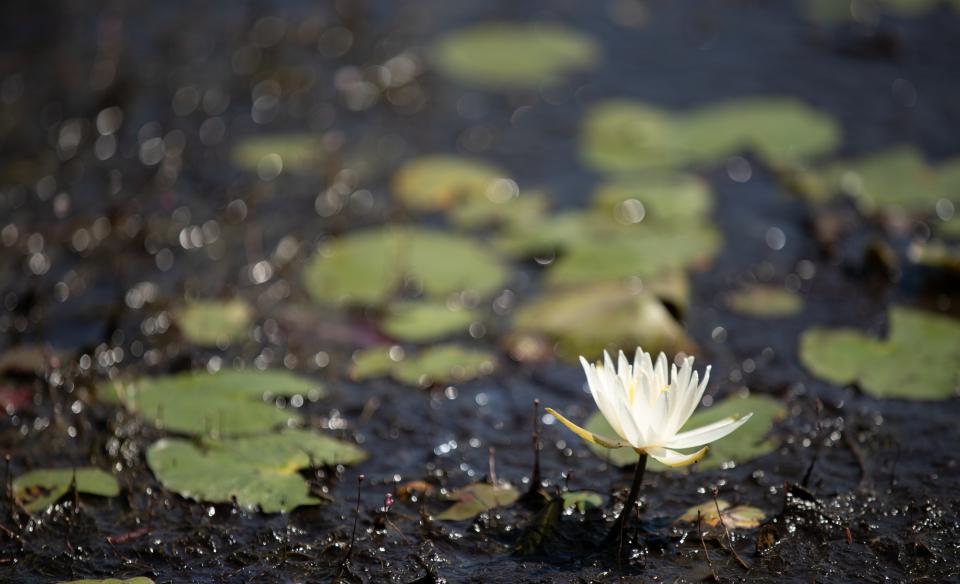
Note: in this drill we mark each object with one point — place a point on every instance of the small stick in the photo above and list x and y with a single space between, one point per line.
861 460
703 544
10 533
353 535
125 537
893 469
816 449
535 480
492 465
733 550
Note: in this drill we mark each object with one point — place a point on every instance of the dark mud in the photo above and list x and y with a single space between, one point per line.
881 497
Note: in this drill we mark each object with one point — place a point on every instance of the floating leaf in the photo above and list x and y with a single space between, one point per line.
666 199
588 319
226 403
477 498
627 136
750 441
780 130
739 517
513 55
643 254
553 233
438 182
259 471
211 323
581 500
137 580
764 301
297 153
896 178
523 209
366 267
449 363
949 228
935 254
371 362
919 359
38 489
424 321
444 363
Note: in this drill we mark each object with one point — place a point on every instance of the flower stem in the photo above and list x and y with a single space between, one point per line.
616 532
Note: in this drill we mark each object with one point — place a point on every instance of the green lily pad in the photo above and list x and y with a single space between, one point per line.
370 363
296 153
581 500
38 489
444 363
477 498
585 320
629 136
227 403
260 472
897 178
764 301
211 323
935 254
919 359
780 130
644 254
521 210
425 321
948 229
668 199
365 268
747 443
441 364
739 517
502 55
553 233
626 136
137 580
641 227
437 182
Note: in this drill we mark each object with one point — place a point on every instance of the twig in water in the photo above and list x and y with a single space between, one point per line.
732 549
893 468
535 480
861 460
703 545
492 465
129 536
818 443
353 534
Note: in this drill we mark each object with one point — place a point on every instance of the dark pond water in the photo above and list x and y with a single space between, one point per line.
880 501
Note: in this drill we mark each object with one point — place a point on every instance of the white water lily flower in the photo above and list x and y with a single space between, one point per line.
646 409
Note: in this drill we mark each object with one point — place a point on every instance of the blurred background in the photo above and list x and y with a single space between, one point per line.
397 224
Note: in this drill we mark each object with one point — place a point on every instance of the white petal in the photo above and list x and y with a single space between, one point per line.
660 372
674 458
602 396
685 387
706 434
632 431
693 397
